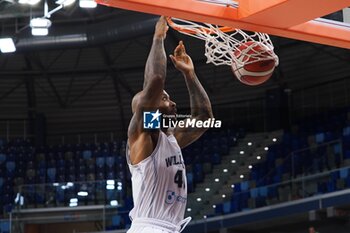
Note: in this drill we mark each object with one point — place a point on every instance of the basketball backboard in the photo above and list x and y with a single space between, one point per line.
296 19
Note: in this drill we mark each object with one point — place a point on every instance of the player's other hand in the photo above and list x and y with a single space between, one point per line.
161 28
181 60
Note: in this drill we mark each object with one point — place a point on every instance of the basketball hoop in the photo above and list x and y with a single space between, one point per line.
223 45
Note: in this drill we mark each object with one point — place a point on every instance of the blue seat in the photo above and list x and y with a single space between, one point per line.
110 175
10 168
237 188
320 137
335 175
254 193
2 158
111 195
348 181
337 148
87 154
116 220
5 227
198 177
263 191
100 162
346 139
110 161
272 192
331 186
190 187
277 179
244 185
343 173
346 131
226 207
330 136
51 174
347 154
61 163
198 167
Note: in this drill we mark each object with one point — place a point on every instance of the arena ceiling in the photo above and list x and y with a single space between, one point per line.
83 75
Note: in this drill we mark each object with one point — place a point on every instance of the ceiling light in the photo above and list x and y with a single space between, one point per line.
207 189
223 195
83 193
40 26
258 157
217 180
214 206
241 176
249 143
250 166
40 31
225 170
7 45
73 204
189 209
199 199
29 2
241 152
266 148
73 200
110 182
65 2
87 4
40 22
114 203
110 187
274 140
233 161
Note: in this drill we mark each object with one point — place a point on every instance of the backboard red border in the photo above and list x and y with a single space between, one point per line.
286 18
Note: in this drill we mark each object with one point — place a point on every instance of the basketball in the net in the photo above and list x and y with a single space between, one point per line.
258 71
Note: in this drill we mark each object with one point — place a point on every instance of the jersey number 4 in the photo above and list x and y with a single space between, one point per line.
178 179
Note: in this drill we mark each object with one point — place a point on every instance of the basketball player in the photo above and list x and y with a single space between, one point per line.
154 156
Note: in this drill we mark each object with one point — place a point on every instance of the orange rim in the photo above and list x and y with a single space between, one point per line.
183 29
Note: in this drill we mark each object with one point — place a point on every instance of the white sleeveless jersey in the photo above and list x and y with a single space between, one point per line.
159 183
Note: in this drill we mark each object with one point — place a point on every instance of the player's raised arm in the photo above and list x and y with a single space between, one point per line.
199 100
155 69
140 142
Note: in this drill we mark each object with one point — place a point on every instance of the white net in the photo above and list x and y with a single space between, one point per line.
223 48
